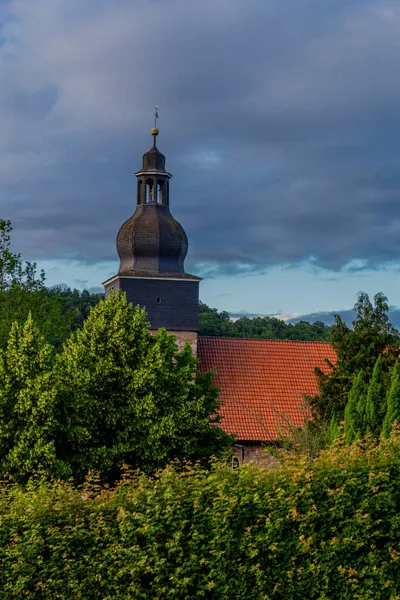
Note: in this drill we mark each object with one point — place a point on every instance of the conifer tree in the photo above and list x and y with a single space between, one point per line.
361 410
27 405
333 428
357 348
354 426
375 408
393 401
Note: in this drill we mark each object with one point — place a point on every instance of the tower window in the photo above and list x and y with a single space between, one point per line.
158 300
160 184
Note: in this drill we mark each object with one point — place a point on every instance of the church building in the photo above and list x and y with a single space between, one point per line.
262 382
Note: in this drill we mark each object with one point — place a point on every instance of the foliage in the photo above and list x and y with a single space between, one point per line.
334 429
47 312
212 322
375 407
14 273
355 426
20 286
320 530
26 404
114 394
76 304
393 401
128 396
56 312
357 349
305 440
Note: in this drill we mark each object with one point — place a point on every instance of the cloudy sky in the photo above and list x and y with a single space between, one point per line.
280 120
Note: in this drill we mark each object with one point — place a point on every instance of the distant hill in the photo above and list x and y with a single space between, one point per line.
347 315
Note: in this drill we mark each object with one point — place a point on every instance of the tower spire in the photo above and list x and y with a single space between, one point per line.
155 131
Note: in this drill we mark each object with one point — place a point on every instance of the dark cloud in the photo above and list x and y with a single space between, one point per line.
280 121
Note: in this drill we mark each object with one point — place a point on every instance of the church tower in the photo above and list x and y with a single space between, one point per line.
152 248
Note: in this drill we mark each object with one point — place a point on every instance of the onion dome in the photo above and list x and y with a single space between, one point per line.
151 241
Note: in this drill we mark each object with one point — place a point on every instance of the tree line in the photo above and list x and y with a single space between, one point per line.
215 323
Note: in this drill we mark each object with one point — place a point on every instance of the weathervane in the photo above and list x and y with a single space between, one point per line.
154 131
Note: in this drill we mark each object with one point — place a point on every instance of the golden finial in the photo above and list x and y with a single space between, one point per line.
155 131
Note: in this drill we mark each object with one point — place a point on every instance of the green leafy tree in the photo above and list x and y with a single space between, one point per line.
375 407
393 402
212 322
27 399
126 396
354 414
357 349
14 272
23 291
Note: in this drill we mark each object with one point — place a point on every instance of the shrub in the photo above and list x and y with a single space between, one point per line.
322 529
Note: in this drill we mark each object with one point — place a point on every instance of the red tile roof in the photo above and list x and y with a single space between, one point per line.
262 382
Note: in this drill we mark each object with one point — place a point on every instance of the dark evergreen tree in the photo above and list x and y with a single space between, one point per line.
357 349
375 407
334 428
393 401
354 422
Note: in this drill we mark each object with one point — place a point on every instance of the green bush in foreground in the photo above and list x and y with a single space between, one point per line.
326 529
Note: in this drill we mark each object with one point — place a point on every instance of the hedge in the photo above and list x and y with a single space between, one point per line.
327 528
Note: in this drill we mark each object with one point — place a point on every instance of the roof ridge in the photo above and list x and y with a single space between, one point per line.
227 337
